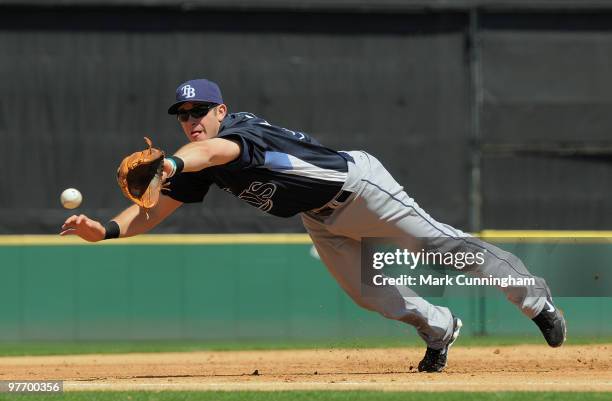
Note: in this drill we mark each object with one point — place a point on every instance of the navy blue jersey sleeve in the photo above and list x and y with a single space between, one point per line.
252 147
256 137
188 187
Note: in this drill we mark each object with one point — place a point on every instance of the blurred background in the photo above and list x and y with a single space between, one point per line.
493 114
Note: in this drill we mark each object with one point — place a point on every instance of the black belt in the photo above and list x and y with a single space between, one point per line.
332 205
342 196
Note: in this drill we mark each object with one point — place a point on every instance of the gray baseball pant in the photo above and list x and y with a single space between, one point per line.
379 207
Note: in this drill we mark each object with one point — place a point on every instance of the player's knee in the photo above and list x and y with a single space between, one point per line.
396 310
401 315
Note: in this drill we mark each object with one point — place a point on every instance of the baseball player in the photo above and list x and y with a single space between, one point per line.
342 197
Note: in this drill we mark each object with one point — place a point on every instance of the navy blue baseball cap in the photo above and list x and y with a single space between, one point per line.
196 90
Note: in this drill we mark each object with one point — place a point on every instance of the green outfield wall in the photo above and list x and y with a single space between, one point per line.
218 288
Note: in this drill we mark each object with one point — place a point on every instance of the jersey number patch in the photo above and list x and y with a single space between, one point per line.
259 195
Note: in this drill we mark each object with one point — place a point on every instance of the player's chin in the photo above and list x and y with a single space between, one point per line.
197 137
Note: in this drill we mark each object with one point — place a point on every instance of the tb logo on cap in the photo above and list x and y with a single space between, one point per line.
188 91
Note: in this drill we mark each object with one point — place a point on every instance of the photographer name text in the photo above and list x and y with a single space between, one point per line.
446 280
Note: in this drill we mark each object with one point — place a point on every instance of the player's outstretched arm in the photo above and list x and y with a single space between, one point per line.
132 221
208 153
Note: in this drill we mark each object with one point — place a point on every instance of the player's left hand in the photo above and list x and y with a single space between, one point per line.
86 228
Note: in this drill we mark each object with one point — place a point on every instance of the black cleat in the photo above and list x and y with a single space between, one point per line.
435 359
552 324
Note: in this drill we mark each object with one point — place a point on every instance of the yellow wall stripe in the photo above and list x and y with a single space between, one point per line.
161 239
220 239
544 234
558 236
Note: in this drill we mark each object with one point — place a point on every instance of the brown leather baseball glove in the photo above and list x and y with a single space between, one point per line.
140 176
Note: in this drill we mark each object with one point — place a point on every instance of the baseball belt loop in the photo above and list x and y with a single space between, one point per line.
338 200
334 204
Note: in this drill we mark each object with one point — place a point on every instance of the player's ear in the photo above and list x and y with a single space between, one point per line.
221 111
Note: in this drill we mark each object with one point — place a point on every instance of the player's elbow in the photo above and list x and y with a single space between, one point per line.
223 152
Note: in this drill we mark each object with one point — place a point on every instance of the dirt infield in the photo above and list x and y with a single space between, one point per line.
525 367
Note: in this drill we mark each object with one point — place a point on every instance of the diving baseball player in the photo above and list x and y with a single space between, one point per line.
342 197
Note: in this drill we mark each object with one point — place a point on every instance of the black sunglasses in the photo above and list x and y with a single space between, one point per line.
195 112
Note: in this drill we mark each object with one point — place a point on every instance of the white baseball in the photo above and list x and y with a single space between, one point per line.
71 198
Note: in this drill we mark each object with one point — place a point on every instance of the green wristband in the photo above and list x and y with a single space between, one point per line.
179 164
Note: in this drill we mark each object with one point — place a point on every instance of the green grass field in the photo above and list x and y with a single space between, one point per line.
308 395
118 347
